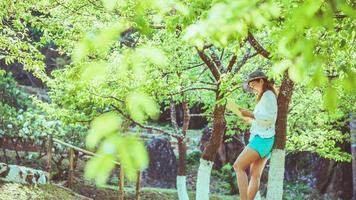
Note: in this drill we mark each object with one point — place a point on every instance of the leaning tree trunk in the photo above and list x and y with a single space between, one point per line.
353 151
208 157
276 170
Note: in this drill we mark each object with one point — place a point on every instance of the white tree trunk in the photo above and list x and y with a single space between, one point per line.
276 175
258 196
182 188
203 181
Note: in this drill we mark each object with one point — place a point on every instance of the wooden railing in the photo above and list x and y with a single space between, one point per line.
71 148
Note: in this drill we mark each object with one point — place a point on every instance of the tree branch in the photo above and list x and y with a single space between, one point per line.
150 128
231 63
244 60
254 43
212 67
197 88
216 60
186 117
173 116
108 97
209 83
222 54
188 68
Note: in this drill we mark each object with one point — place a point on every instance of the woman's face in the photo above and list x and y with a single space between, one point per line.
256 85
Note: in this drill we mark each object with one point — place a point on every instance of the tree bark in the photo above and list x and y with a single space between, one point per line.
211 149
121 184
353 151
277 163
219 126
71 168
182 149
49 157
182 144
138 186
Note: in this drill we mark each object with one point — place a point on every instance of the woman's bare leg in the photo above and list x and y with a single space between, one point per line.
244 160
256 170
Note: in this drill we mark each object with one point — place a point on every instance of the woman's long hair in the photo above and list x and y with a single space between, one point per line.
267 85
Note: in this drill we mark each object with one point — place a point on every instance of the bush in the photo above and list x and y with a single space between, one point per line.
193 157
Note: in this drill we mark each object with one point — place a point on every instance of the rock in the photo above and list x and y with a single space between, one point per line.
40 93
162 169
228 152
20 174
334 178
301 166
53 60
329 177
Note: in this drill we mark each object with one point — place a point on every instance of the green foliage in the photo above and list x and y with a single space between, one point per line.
193 157
313 128
313 40
141 107
223 25
11 95
22 119
297 191
105 130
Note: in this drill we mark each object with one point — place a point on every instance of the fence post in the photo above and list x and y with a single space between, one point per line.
138 185
121 184
49 157
71 168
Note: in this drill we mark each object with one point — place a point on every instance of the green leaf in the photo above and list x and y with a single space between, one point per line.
132 155
318 78
80 51
153 55
330 98
281 66
141 106
296 73
99 168
101 127
94 71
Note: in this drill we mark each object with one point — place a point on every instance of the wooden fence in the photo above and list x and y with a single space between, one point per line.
7 143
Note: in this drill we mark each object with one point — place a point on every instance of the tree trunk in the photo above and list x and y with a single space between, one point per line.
353 151
276 171
181 178
210 151
182 150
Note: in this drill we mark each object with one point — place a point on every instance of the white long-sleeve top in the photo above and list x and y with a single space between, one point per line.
265 114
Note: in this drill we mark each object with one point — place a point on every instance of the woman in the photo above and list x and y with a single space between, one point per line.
262 120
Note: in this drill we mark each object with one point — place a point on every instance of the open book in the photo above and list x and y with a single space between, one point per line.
243 113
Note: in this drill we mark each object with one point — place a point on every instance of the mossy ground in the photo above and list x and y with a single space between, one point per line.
11 191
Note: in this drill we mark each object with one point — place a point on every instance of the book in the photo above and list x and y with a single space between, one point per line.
243 113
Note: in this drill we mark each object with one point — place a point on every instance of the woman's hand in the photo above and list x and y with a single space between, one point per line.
248 120
246 113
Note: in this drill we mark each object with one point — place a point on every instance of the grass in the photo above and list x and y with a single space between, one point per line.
146 193
11 191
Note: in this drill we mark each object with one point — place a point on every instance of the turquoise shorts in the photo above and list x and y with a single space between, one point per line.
263 146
